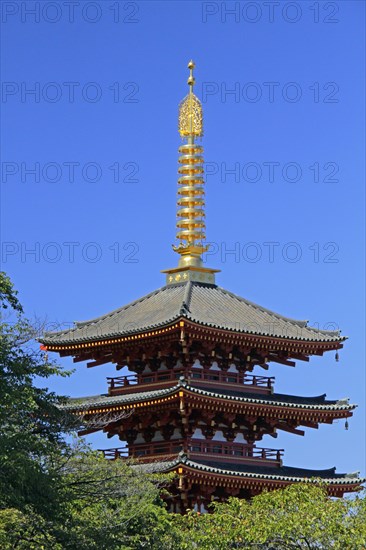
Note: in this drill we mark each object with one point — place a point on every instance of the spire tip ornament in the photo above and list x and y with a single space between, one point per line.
190 214
191 80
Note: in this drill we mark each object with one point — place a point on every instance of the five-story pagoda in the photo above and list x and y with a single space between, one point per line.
190 402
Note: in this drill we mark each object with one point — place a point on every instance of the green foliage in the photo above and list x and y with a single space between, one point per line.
54 495
103 505
25 531
31 422
111 504
301 516
8 296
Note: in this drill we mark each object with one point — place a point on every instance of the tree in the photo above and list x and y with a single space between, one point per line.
113 504
32 424
300 516
56 495
103 505
8 296
25 531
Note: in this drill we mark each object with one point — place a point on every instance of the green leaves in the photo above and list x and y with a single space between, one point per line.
8 296
54 495
109 504
25 531
301 516
32 426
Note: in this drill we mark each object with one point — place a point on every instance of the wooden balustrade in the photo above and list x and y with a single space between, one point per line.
116 452
234 450
213 449
122 381
264 383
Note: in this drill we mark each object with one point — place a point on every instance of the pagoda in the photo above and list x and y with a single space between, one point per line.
195 401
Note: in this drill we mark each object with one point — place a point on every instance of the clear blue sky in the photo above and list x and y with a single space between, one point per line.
107 79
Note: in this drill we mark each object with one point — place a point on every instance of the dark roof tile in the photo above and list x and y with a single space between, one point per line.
283 473
205 304
281 400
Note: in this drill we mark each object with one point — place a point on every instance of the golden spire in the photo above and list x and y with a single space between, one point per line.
190 215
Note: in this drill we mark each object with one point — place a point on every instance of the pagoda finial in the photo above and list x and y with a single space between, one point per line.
190 110
191 225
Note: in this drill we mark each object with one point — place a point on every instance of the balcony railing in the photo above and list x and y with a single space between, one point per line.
211 449
234 450
262 383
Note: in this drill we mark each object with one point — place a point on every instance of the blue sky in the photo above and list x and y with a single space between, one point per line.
282 88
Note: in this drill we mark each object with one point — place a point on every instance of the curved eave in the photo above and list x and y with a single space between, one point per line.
333 342
75 345
342 405
183 465
346 480
106 403
204 305
110 338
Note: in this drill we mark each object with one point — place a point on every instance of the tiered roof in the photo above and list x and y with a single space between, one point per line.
204 304
318 403
249 473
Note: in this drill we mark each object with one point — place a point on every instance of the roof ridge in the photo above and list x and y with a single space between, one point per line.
285 473
186 298
297 473
261 399
321 396
73 403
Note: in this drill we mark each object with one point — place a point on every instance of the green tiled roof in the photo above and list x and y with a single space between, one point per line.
206 304
282 473
279 400
105 400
